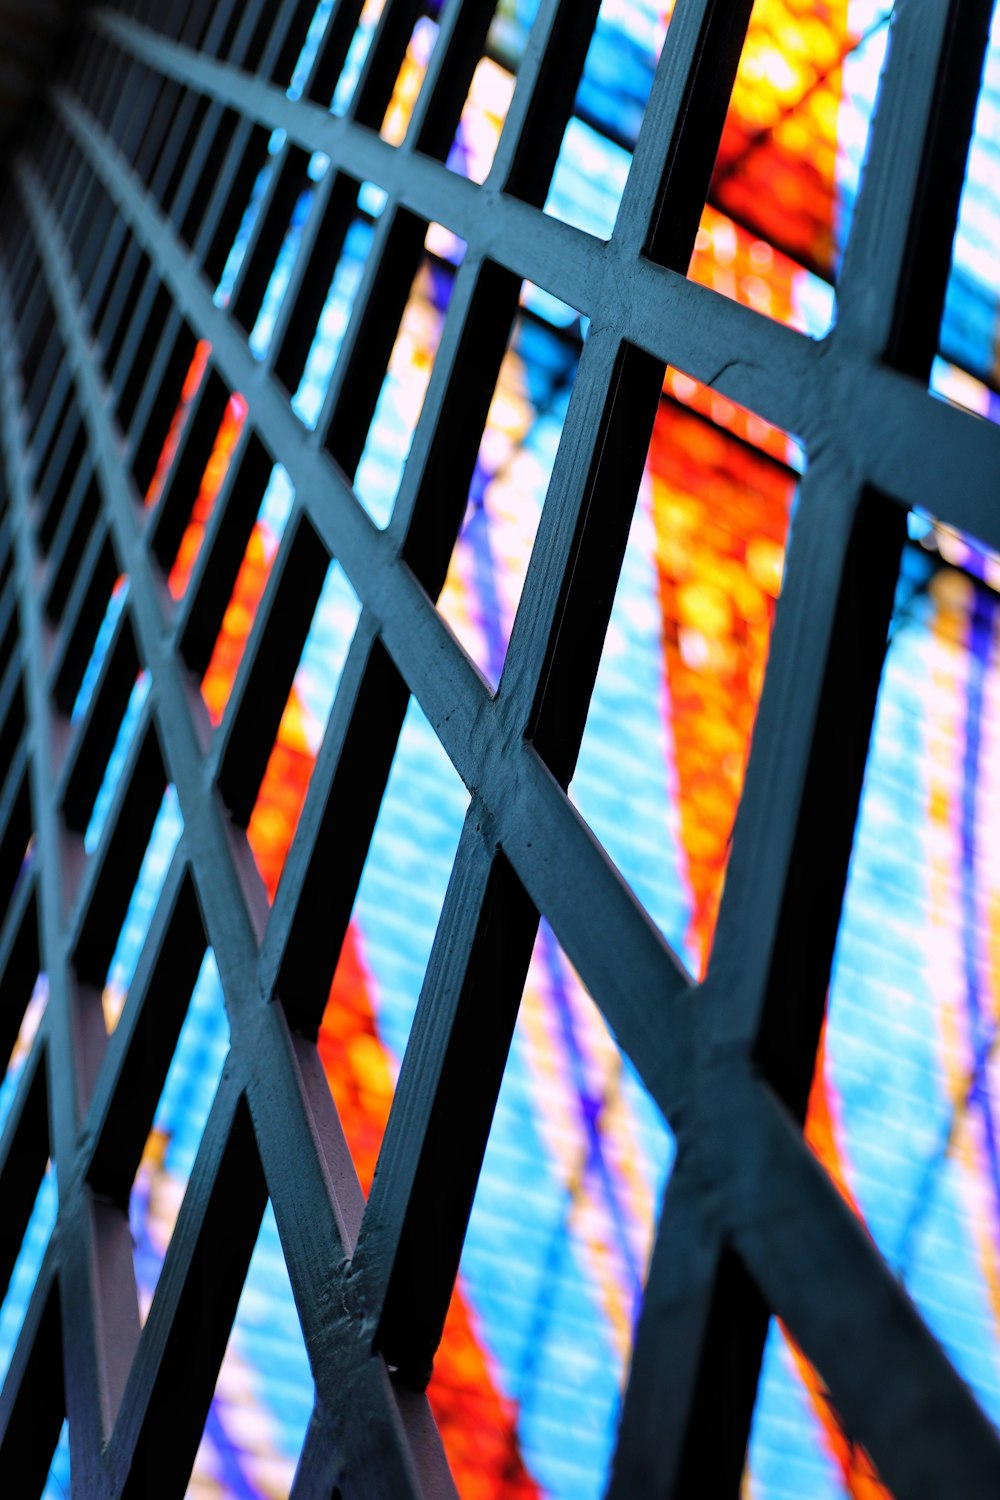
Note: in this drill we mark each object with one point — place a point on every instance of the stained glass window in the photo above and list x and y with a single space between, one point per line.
353 290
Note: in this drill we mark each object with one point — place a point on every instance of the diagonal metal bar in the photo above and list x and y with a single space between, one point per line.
233 941
757 1228
891 286
780 910
451 692
777 373
85 1383
816 1267
291 1114
655 308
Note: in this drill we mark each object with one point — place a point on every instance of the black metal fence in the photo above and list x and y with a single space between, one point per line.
115 225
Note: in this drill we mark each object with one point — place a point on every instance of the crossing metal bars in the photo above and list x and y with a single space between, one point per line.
116 221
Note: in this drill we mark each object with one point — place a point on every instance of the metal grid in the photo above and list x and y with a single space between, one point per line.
115 225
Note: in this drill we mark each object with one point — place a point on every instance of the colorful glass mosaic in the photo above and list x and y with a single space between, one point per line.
529 1377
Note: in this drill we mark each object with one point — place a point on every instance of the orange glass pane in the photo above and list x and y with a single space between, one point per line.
192 382
215 472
